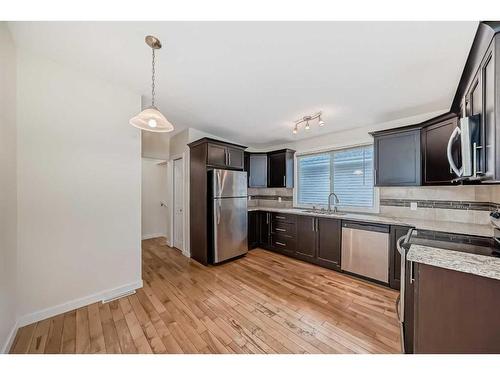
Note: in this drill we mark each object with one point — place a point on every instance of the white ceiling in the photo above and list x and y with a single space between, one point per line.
248 81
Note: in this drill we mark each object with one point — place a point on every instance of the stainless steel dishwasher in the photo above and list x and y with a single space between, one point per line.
365 250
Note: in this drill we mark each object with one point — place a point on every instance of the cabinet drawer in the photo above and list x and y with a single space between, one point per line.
280 217
283 243
283 228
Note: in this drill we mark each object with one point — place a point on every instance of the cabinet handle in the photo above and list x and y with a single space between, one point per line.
412 279
280 217
284 181
267 217
280 243
225 157
229 158
317 224
280 230
313 226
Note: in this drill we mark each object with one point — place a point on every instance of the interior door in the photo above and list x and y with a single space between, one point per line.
178 204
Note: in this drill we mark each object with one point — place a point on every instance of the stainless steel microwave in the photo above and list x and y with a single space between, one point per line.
468 135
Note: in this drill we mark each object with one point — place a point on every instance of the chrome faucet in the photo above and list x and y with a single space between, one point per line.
335 204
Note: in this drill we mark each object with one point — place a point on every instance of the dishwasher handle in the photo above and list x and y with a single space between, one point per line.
368 227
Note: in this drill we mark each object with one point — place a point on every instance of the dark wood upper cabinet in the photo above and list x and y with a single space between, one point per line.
224 155
216 155
235 158
280 169
436 168
257 170
306 237
397 159
329 232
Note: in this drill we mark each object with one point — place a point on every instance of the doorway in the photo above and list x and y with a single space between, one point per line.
178 204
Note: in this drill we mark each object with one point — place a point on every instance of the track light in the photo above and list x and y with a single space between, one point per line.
306 119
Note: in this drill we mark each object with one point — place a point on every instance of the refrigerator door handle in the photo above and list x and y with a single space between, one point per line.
219 203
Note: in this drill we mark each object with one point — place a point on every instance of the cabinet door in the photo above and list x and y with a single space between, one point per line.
328 234
235 158
253 229
434 142
217 155
257 170
397 159
409 303
265 229
276 164
394 257
306 237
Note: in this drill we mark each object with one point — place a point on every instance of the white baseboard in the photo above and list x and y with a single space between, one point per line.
153 235
10 340
75 304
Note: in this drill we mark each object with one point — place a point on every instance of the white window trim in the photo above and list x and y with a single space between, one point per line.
376 191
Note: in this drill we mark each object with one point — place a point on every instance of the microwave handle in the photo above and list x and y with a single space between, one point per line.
456 132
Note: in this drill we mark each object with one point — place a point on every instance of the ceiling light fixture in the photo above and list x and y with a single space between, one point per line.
306 119
151 119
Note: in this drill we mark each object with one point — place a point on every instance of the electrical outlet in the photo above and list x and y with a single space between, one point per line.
279 199
413 206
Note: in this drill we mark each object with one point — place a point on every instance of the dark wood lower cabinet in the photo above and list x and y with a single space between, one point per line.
454 312
306 238
253 230
394 257
329 233
264 224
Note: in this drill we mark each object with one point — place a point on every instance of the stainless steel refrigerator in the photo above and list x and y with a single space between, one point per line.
228 214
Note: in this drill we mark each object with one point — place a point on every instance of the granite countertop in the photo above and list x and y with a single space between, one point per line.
439 226
480 265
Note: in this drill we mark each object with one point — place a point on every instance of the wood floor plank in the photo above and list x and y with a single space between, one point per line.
261 303
23 339
97 343
39 339
82 331
54 340
111 341
69 333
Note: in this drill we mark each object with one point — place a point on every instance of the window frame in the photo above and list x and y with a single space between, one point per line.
376 192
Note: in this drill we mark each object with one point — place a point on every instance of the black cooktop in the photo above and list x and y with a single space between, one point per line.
487 246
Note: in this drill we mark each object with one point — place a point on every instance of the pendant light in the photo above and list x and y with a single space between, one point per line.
151 119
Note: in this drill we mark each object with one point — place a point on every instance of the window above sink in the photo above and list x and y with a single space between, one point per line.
347 172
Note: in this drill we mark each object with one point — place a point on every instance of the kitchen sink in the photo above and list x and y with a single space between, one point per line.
325 212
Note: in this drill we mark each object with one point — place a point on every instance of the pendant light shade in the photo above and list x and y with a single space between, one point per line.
151 119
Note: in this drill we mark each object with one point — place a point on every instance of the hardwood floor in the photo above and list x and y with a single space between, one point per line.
261 303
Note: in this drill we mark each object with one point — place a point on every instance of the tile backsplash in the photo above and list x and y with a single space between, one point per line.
270 197
462 204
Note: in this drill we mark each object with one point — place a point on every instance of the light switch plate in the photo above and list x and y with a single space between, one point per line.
413 206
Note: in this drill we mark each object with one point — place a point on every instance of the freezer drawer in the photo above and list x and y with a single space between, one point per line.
365 252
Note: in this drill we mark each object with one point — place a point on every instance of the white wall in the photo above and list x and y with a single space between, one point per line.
8 198
79 176
154 191
155 145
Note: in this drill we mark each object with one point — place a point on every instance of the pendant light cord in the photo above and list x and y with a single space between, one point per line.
153 80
